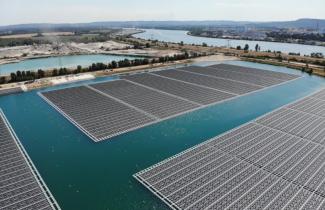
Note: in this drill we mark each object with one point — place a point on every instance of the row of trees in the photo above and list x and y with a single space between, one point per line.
24 76
246 48
3 80
135 62
21 42
284 36
317 55
20 76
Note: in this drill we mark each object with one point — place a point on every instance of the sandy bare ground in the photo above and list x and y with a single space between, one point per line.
15 36
100 47
148 52
18 53
215 58
70 79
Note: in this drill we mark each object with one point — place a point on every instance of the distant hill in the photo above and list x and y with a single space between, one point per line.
301 23
121 24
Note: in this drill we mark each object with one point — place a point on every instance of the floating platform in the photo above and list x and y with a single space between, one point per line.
21 186
274 162
112 108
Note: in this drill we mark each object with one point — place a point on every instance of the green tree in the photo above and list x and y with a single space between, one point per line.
63 71
79 68
29 75
18 76
186 55
40 73
23 75
114 64
145 61
55 73
246 48
2 80
13 77
161 59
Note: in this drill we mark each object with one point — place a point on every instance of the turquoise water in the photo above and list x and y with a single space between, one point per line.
178 36
68 61
84 175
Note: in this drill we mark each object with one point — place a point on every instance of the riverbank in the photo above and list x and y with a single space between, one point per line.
178 36
256 40
149 52
312 69
32 46
303 63
52 81
20 53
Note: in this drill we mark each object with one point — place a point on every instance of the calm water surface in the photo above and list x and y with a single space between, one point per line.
178 36
84 175
68 61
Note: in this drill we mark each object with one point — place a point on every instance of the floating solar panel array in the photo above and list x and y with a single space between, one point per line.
108 109
274 162
230 72
21 186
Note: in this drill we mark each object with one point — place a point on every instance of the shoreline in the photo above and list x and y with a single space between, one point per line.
312 69
253 40
18 60
48 81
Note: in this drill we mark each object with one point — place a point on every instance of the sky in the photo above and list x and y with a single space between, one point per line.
77 11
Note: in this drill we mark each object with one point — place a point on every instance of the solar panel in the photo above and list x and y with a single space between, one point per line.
159 104
21 186
254 71
230 86
200 95
99 116
255 79
274 162
108 109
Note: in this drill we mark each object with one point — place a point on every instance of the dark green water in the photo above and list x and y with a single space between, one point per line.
83 175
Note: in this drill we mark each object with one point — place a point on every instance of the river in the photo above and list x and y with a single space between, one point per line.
178 36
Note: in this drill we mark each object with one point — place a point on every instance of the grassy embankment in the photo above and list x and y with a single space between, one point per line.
308 64
303 63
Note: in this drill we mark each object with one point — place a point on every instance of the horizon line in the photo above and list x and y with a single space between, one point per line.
181 20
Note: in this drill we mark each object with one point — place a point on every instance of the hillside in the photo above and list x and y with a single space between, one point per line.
23 28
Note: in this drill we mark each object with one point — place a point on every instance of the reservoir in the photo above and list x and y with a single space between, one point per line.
85 175
178 36
69 61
